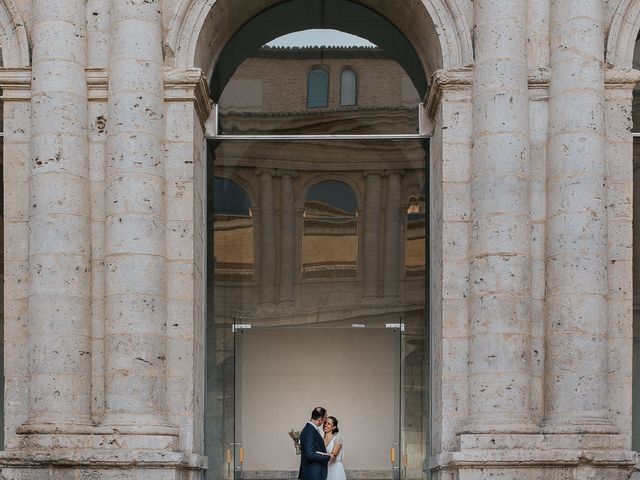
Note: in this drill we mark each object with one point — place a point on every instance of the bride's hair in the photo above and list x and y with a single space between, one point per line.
335 424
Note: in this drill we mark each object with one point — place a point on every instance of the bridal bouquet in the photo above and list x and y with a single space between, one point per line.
295 436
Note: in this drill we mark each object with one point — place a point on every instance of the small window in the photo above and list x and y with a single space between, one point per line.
318 88
348 88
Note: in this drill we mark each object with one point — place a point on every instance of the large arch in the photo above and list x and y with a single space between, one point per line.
622 34
13 36
200 29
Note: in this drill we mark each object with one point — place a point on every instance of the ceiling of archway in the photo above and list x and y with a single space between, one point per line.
295 15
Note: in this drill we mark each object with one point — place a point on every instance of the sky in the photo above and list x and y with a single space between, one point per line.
318 38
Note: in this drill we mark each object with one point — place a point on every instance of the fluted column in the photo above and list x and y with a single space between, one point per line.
135 246
576 247
267 240
371 235
287 245
500 280
392 235
59 242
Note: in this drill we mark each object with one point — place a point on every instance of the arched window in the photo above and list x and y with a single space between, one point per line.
415 251
318 88
232 232
348 88
330 238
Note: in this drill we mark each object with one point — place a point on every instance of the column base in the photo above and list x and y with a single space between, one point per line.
135 424
57 424
268 308
536 457
496 423
582 422
100 463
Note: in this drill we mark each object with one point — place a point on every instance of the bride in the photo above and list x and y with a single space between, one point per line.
333 443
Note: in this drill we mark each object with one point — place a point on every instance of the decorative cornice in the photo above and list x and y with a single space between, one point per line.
443 80
188 85
621 78
15 83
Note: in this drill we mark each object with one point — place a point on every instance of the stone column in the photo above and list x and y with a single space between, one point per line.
576 247
371 237
59 242
135 244
287 240
500 280
267 240
392 235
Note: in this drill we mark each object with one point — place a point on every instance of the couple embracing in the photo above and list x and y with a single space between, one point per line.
321 449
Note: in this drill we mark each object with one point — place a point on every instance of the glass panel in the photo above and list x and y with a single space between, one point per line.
233 232
275 396
330 235
317 247
329 224
318 88
636 264
415 261
348 87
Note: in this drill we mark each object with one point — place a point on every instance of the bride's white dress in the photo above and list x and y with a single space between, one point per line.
336 468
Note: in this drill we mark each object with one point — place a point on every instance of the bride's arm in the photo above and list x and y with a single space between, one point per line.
336 450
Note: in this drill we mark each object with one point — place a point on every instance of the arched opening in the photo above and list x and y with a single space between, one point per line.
330 234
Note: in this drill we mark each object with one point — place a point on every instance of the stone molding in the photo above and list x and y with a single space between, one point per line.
13 36
97 458
181 85
623 31
443 80
460 79
188 85
621 78
15 84
190 16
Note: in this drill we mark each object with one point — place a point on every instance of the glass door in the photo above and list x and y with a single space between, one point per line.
282 373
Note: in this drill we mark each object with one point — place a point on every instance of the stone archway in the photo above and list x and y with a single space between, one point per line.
199 30
13 36
622 35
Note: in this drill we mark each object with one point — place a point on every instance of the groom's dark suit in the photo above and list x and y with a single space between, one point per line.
313 466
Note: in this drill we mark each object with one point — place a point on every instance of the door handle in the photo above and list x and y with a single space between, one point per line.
229 456
393 454
241 455
405 460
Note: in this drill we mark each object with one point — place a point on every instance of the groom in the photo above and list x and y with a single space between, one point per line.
313 465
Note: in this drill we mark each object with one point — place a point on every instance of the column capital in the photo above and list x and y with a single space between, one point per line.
15 84
188 85
443 80
621 78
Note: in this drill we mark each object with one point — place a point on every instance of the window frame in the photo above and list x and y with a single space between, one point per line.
325 70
